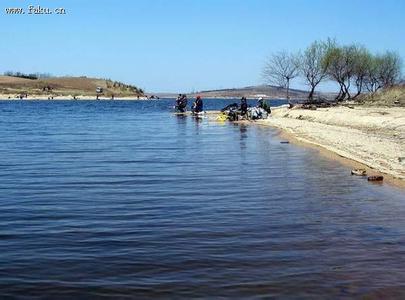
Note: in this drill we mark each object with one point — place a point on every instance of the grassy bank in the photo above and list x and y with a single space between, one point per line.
65 86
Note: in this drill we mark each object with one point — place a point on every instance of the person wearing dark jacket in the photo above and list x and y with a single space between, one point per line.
181 103
184 102
243 106
198 105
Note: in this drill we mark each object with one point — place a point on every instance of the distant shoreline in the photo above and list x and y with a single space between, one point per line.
66 88
69 97
135 98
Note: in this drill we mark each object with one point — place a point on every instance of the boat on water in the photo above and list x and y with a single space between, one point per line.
359 172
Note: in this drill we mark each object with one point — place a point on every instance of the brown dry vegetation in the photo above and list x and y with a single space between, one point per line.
65 86
394 96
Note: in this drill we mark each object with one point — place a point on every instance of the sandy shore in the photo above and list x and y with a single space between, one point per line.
69 97
374 137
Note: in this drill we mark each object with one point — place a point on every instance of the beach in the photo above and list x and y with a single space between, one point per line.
369 136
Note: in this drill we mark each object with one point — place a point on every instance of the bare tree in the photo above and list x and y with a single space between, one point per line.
389 69
371 82
340 66
382 71
362 63
335 68
354 64
352 67
280 69
312 65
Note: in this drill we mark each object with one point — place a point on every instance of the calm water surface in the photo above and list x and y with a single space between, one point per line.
123 199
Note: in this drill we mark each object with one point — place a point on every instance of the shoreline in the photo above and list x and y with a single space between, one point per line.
5 97
375 143
10 97
348 162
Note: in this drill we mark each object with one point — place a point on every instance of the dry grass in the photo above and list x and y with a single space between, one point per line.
394 96
63 86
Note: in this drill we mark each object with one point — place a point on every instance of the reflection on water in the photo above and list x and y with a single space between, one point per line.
123 199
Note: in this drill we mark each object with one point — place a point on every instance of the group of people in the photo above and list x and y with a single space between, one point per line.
237 112
181 104
231 112
261 103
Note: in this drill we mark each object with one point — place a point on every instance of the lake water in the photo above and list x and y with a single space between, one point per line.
123 199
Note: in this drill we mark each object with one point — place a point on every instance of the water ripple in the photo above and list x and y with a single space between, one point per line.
122 200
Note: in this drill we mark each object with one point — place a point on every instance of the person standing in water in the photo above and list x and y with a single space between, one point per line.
243 106
181 103
198 105
178 100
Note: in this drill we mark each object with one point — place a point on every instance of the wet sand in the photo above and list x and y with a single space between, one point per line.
361 137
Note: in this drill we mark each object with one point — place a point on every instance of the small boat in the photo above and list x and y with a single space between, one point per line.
375 178
359 172
222 117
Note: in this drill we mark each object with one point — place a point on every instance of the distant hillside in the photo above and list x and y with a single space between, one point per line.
65 86
267 91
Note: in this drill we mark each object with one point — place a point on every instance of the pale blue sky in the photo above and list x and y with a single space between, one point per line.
184 45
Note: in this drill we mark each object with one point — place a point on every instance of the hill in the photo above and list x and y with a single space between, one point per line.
267 91
66 86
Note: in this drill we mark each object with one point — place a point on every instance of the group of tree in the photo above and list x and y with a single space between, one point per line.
27 76
124 87
20 75
353 67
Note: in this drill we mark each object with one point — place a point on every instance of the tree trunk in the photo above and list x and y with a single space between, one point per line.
341 94
359 89
337 98
357 94
288 89
311 94
346 91
359 85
